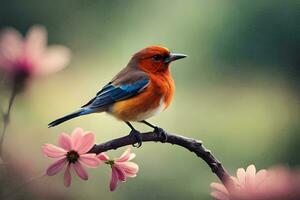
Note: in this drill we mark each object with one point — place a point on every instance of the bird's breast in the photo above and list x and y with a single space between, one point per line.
152 111
156 97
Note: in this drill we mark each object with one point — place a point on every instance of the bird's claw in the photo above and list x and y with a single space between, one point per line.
138 138
161 134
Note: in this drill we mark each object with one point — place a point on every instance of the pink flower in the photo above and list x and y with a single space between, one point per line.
72 153
121 167
275 184
30 56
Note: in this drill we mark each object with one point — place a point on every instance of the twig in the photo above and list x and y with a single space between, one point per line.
192 145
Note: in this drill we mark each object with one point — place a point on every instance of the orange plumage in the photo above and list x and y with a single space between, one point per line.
158 94
156 97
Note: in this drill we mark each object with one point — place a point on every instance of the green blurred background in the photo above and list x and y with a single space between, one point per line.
238 91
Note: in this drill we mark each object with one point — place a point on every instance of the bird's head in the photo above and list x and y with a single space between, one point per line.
155 59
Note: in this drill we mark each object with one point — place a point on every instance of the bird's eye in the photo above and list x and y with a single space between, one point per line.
157 57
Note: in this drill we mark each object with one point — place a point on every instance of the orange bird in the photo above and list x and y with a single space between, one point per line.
141 90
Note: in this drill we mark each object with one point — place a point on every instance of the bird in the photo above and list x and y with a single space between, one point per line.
142 89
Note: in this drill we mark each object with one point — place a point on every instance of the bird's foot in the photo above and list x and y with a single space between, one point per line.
138 138
161 133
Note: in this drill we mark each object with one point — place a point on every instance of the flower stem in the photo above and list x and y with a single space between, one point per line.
6 118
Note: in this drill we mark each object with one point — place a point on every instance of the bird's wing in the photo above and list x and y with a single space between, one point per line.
119 89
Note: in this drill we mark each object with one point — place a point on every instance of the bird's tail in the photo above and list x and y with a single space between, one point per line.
78 113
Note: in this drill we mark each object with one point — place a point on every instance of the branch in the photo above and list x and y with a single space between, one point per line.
193 145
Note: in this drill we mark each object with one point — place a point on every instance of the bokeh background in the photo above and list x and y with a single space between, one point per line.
238 91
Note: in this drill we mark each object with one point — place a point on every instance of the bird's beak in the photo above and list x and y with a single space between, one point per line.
174 56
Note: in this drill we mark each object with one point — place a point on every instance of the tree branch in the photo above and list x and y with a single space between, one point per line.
193 145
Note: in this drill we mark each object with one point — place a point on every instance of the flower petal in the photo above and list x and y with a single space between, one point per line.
53 151
130 168
251 170
86 143
56 167
103 157
76 137
260 176
113 180
65 142
131 156
241 175
11 48
35 44
125 156
250 176
219 195
90 160
219 187
54 59
120 172
80 171
67 177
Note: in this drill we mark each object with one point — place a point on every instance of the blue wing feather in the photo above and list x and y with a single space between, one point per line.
111 93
